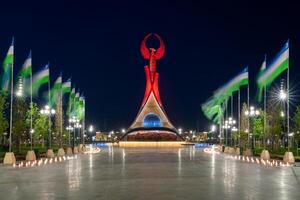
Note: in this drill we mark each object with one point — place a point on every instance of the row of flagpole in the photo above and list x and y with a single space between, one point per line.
216 106
26 71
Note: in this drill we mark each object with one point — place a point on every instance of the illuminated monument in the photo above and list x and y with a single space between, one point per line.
151 122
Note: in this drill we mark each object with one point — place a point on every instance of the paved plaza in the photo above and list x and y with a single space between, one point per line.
145 173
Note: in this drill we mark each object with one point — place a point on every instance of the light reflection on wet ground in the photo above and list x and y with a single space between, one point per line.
149 173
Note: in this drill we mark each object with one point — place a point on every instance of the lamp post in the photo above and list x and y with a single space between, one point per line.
47 111
283 96
91 130
78 126
75 122
212 131
253 112
69 129
229 125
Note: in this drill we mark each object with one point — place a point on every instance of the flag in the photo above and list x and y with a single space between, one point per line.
213 108
39 79
71 102
81 108
279 64
233 85
23 83
66 86
26 70
261 71
7 67
56 91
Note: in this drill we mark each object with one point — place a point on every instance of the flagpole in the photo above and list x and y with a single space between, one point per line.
265 107
248 102
231 115
239 115
222 122
83 123
11 104
288 106
61 114
49 117
74 133
226 134
31 131
220 127
265 114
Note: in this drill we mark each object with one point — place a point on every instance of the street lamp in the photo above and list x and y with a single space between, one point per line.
228 125
253 112
180 131
78 126
282 95
91 128
47 111
69 129
212 128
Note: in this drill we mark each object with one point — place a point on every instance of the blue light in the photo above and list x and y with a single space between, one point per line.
151 120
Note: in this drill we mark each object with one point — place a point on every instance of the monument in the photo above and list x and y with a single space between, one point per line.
151 122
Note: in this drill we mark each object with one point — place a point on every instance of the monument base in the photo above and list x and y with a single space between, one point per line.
9 158
289 157
81 148
61 152
248 152
50 153
265 155
152 144
30 156
75 150
69 151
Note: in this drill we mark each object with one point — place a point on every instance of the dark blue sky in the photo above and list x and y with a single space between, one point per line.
97 43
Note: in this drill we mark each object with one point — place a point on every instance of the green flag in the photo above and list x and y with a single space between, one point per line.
56 91
279 65
71 102
66 86
7 67
261 88
26 70
39 79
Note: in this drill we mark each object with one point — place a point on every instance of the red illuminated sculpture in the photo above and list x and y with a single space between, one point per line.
152 123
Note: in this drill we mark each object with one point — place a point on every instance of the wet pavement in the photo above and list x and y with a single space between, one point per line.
165 173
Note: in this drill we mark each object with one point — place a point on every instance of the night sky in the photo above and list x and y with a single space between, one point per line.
97 43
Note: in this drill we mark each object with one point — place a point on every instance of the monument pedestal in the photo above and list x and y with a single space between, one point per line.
69 151
248 152
61 152
75 150
238 151
231 150
30 156
265 155
289 157
50 153
80 148
9 158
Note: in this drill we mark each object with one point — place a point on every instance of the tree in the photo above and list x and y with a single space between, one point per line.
244 126
275 124
296 125
3 120
41 127
19 122
59 123
40 124
257 126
